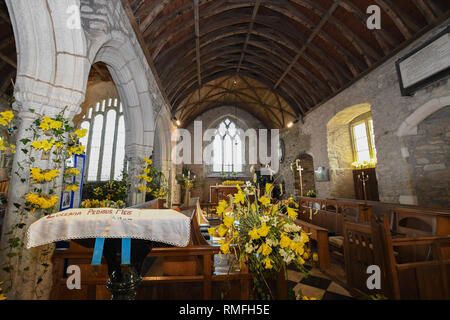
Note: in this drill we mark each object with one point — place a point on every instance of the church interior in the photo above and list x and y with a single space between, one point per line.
225 150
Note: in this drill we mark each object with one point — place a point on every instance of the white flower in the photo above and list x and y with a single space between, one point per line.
264 218
271 243
249 248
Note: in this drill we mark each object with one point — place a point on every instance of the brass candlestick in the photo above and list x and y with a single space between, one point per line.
364 178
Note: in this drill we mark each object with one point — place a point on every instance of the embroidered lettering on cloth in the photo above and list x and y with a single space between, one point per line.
161 225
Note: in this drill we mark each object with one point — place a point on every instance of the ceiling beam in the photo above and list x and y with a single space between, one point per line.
197 42
310 39
250 29
134 24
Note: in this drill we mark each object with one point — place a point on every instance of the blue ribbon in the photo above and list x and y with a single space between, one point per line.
126 251
98 251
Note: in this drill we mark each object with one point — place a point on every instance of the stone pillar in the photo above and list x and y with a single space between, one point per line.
134 155
30 268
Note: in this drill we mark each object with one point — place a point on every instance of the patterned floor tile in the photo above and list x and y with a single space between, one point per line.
336 288
317 282
309 291
295 276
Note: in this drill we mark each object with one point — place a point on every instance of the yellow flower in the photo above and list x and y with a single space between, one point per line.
72 187
13 148
268 188
7 116
56 124
264 230
315 257
254 235
149 190
264 200
2 296
222 230
268 263
76 150
72 172
212 231
285 241
81 133
304 237
142 188
265 249
292 213
228 221
148 161
239 197
225 247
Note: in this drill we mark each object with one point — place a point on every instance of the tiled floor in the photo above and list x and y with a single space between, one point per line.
316 285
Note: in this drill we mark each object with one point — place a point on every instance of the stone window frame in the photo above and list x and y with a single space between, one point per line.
240 124
104 106
363 118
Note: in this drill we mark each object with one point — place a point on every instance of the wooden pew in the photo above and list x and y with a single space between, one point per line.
320 235
373 244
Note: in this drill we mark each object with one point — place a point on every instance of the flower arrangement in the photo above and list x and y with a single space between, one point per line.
152 181
6 149
261 234
94 203
311 193
365 164
232 182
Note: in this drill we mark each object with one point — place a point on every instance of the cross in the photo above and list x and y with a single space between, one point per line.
299 169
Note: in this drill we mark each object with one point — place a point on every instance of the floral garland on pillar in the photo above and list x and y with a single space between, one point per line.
50 141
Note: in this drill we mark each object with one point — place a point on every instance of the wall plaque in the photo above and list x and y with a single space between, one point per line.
427 64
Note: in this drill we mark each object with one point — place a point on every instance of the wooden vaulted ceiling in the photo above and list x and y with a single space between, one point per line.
300 52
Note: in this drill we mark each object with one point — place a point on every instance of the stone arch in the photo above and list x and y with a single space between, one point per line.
126 69
308 180
340 154
409 125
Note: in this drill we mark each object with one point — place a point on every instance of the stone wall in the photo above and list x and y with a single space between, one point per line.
211 118
380 89
429 157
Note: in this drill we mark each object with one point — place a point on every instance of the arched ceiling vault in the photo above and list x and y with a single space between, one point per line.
275 58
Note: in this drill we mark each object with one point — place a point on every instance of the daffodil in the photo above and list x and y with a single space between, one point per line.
285 241
264 230
254 235
265 249
292 213
264 201
228 221
239 197
222 230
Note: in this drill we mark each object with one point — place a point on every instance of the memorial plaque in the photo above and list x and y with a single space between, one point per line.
426 64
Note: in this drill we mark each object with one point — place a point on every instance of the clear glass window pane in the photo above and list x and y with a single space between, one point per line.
94 152
228 154
360 130
108 145
217 154
237 154
120 150
90 113
97 107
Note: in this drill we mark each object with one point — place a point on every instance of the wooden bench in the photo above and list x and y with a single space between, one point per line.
320 235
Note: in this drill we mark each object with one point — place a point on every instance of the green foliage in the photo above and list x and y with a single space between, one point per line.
114 190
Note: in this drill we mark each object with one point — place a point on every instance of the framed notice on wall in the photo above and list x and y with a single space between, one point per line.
426 64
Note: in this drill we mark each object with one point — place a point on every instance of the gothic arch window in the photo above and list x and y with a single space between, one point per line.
105 142
227 148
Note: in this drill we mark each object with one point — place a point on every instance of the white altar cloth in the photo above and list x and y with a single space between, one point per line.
161 225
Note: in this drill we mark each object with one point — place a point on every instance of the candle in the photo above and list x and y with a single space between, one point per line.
281 189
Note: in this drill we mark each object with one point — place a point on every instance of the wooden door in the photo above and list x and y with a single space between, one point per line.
371 184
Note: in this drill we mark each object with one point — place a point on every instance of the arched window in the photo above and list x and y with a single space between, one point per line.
227 148
105 141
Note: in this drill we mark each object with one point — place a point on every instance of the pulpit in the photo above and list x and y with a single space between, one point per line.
123 236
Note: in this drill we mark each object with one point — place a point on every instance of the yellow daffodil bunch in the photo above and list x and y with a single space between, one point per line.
258 231
79 149
232 182
72 187
94 203
365 164
48 123
6 117
150 180
71 172
40 201
40 176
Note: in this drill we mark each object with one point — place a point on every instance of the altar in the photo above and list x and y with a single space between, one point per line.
221 192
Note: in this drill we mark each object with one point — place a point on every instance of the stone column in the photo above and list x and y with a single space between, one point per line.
27 267
134 155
